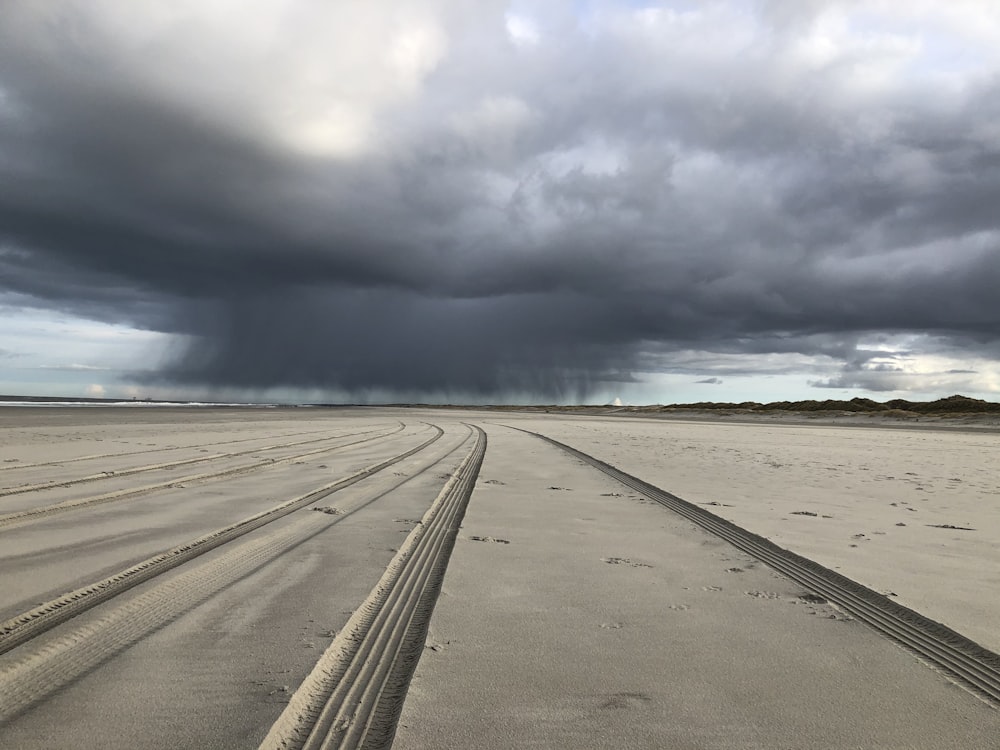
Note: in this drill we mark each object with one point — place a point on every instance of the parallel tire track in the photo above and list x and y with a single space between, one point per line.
24 488
971 665
125 454
353 697
28 625
64 659
106 497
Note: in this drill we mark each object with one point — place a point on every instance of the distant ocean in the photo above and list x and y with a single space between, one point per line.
131 404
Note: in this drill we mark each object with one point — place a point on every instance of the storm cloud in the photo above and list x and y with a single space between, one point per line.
430 197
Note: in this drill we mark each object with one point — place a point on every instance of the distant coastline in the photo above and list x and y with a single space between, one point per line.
951 406
51 401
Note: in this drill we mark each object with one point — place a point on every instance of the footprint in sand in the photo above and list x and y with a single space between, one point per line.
763 594
819 605
490 539
619 701
811 598
624 561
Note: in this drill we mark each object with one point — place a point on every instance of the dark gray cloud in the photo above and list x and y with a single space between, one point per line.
439 206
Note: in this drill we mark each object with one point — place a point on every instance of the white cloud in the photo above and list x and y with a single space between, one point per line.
314 77
522 30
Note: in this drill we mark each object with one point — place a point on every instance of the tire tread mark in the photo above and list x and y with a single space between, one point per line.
353 696
33 514
967 662
27 625
24 488
95 456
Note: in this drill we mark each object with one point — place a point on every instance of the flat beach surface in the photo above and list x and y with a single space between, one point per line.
574 612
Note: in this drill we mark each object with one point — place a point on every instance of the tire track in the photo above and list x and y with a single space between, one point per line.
95 456
30 624
33 514
24 488
969 664
353 696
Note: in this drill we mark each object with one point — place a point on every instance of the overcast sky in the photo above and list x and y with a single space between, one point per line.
556 200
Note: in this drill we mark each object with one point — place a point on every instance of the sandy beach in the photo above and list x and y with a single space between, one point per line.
211 577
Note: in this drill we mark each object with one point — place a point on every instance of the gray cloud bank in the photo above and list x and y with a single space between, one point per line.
433 200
